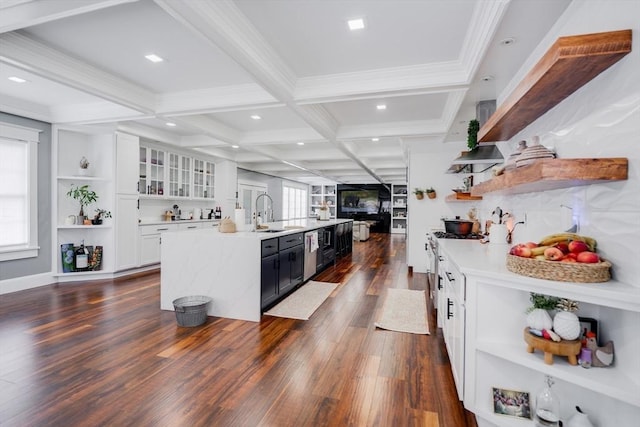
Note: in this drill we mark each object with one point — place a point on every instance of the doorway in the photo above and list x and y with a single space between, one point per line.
247 194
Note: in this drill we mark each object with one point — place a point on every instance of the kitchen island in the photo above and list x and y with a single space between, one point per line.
224 266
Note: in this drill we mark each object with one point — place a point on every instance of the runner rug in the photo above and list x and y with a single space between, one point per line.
404 310
304 302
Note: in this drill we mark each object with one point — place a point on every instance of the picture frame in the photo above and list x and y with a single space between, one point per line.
588 324
511 403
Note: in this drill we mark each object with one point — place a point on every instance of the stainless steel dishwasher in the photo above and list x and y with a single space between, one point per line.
310 253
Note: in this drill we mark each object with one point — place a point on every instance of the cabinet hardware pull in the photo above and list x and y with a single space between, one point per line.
439 282
451 279
440 258
192 226
161 229
449 305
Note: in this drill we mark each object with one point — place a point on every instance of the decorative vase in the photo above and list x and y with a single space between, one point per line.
419 196
431 195
83 171
539 319
566 325
547 406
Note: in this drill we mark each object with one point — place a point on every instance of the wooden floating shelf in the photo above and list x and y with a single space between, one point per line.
570 63
457 197
551 174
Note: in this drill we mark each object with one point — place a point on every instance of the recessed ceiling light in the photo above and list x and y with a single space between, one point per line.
375 139
381 107
170 124
300 143
235 146
507 41
17 79
153 57
356 24
256 117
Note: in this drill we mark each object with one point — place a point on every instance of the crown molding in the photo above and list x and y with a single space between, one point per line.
215 100
28 109
18 14
33 56
93 112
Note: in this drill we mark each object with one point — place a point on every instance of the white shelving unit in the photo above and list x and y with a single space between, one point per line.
399 210
496 353
97 145
319 194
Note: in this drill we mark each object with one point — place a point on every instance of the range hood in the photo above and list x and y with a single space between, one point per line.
484 156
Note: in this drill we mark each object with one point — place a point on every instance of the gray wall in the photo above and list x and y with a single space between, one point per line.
41 264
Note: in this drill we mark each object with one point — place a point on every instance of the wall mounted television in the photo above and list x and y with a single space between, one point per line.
360 201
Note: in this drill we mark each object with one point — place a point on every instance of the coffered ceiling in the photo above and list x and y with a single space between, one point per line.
316 85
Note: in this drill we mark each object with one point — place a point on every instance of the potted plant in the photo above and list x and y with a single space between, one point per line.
100 214
83 195
419 193
431 193
472 134
538 315
84 166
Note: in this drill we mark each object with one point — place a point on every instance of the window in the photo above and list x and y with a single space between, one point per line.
294 202
18 192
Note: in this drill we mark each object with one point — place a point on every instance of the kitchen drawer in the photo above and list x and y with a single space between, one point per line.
189 226
291 241
148 230
269 247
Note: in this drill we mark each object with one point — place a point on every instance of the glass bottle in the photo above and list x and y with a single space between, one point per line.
547 411
81 257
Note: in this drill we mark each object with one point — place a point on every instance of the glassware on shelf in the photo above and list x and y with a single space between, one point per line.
547 406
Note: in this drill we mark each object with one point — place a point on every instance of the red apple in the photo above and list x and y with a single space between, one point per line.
563 247
514 248
531 245
571 255
553 254
576 246
568 259
522 251
588 257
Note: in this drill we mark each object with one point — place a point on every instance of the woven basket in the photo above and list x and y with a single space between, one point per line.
560 271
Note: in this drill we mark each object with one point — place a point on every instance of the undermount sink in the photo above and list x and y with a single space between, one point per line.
270 231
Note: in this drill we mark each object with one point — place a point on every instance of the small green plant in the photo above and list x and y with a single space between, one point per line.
101 213
472 134
544 302
83 195
430 190
418 191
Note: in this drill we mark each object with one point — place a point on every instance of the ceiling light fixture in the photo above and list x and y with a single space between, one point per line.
153 57
356 24
256 117
235 146
300 143
381 107
508 41
171 124
375 139
17 79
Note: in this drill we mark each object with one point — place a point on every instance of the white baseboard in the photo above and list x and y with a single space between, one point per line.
26 282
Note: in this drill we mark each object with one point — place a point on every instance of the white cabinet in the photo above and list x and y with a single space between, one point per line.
179 175
70 144
126 226
151 171
151 241
203 179
399 210
323 195
127 149
496 355
453 318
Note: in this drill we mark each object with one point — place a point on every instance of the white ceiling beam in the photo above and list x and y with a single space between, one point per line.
28 54
22 14
279 136
211 128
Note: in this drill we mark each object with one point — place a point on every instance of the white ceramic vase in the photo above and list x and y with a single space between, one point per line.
539 319
566 325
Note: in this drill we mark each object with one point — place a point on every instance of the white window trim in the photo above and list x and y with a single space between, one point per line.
32 137
296 186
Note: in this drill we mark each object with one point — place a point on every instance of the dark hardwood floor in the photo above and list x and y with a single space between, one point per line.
104 354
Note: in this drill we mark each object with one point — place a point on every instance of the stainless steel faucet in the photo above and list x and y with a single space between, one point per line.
267 219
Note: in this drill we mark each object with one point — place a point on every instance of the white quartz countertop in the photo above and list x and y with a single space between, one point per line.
489 261
180 221
286 227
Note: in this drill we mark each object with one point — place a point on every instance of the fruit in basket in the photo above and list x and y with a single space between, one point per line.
553 254
564 247
521 250
588 257
567 238
576 246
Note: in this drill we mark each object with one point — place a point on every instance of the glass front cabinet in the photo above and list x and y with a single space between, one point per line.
152 171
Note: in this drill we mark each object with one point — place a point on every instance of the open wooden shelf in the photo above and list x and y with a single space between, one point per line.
457 197
570 63
551 174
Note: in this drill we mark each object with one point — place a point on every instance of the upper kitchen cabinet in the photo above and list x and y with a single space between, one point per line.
127 149
570 63
179 175
152 171
203 179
